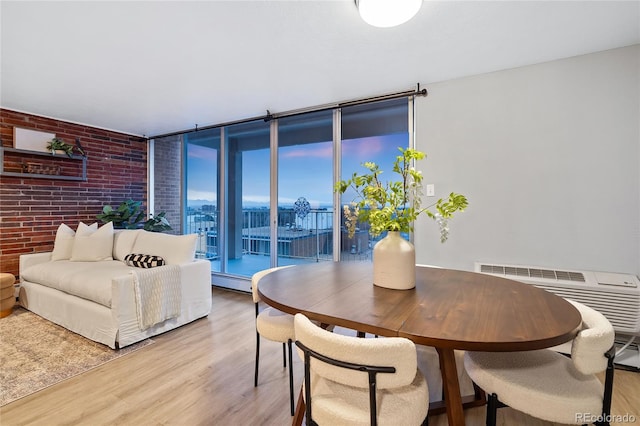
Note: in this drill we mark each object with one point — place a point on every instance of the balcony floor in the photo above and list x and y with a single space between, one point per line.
239 271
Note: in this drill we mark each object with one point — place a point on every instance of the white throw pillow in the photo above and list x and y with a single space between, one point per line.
123 240
93 245
174 249
63 245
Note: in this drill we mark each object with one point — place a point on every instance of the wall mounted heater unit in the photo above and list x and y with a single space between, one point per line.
616 296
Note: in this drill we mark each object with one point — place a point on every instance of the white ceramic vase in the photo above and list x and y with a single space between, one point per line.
394 262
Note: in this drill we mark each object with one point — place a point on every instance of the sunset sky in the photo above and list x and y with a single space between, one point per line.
304 170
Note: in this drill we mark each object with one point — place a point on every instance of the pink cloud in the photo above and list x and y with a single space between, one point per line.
363 148
196 151
323 151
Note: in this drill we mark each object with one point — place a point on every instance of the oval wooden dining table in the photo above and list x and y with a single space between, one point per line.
448 309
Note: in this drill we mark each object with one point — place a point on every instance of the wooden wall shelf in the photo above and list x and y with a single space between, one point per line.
17 161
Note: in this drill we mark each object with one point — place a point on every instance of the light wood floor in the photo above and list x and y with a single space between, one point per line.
202 374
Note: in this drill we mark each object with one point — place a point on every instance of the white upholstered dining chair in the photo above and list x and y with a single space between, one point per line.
273 325
356 381
548 385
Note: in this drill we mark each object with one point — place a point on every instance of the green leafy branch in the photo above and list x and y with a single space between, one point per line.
395 205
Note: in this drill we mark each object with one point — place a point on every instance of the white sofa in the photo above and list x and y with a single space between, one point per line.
86 286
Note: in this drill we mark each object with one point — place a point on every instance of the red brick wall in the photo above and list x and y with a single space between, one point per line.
32 208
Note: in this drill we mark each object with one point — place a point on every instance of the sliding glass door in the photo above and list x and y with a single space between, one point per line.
260 193
305 188
248 195
370 133
202 182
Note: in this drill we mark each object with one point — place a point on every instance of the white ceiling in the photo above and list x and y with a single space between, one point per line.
151 67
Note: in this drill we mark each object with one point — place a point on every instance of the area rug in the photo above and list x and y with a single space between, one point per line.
36 353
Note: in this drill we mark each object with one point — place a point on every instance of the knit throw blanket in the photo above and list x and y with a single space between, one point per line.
158 294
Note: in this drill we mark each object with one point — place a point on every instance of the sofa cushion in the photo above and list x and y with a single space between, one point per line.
93 245
89 280
174 249
123 240
143 260
65 237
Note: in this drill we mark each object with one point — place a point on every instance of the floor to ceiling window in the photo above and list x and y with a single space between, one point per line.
202 154
305 188
247 225
370 133
260 193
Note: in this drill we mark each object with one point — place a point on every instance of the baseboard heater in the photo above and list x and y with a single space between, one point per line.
616 296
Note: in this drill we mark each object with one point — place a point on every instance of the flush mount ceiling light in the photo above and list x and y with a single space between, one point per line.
387 13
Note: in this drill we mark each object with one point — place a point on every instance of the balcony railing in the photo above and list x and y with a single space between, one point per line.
308 237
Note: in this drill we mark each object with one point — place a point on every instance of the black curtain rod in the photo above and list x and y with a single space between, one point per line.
269 116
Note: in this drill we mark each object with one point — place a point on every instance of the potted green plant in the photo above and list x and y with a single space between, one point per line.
157 223
393 207
57 144
130 215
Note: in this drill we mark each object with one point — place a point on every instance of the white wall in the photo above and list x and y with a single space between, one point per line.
548 156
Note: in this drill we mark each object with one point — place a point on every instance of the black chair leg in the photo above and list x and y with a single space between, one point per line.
492 408
290 377
255 379
608 388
